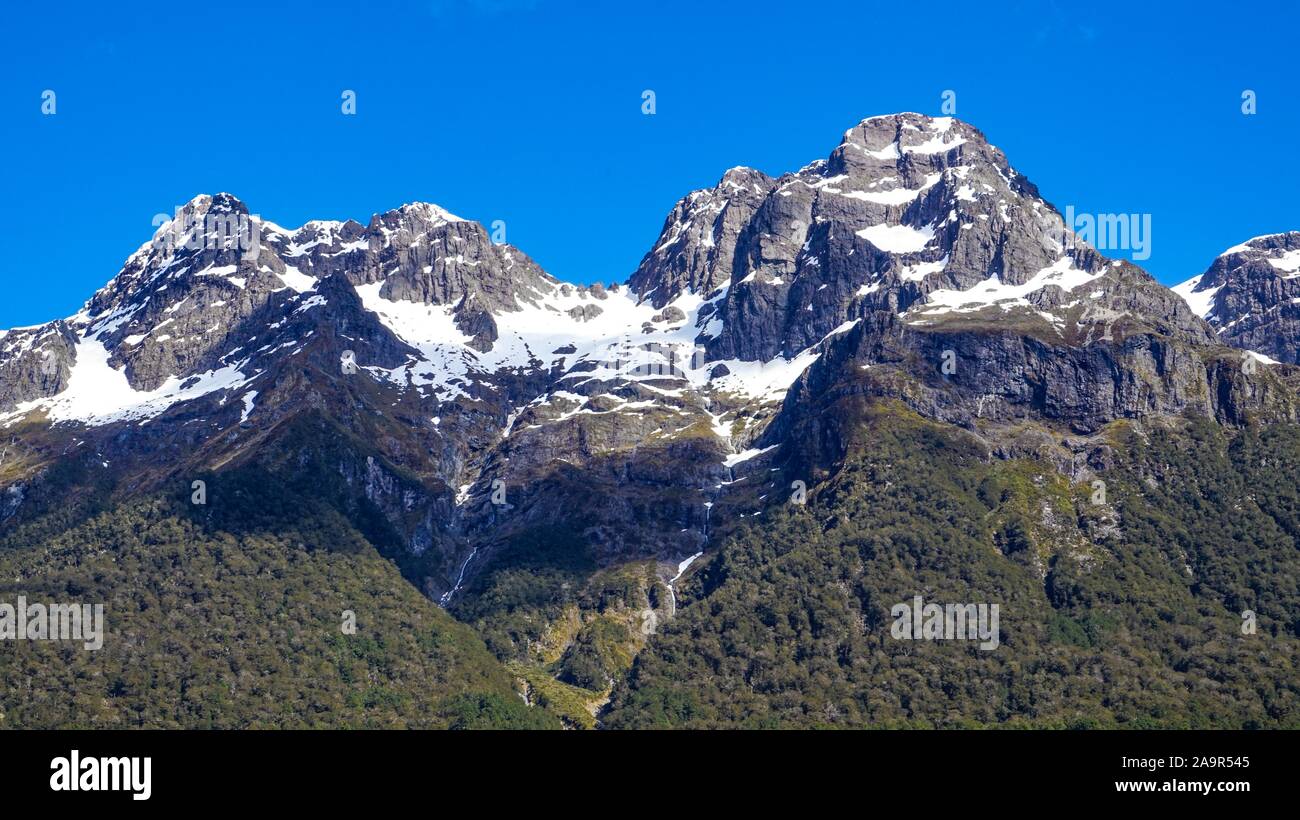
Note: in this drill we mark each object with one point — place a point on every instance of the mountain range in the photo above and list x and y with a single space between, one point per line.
691 498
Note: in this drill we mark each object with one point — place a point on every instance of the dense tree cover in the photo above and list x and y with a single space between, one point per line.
569 628
525 588
1122 614
1127 613
231 615
532 583
598 656
494 711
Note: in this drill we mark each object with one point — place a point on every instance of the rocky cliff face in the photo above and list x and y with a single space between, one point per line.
909 215
472 400
697 244
1251 296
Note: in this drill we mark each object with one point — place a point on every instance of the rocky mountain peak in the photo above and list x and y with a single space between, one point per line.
1251 295
910 221
697 243
908 211
463 362
1275 246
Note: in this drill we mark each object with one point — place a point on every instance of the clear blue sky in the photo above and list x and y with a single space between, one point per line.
530 111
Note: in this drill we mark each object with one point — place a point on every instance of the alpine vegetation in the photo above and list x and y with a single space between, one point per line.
694 497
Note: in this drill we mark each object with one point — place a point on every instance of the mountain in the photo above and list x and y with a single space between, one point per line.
236 621
1118 610
1251 296
891 371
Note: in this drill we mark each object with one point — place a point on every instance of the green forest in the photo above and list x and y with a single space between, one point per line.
1124 613
238 620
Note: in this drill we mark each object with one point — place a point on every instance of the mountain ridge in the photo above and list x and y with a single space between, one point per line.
1250 294
751 284
547 461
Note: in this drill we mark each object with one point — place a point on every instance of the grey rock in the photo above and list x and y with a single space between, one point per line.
1252 293
847 260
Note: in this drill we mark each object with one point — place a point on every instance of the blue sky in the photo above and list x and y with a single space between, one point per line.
530 112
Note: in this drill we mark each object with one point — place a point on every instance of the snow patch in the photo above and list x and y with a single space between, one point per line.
98 394
898 238
1200 301
740 458
993 291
